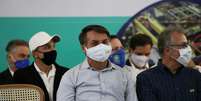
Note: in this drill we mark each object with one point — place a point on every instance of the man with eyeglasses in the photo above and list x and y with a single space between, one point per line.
171 80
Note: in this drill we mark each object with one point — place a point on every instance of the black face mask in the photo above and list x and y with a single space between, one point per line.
49 57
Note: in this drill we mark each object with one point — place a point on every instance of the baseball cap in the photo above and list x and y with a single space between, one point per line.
41 38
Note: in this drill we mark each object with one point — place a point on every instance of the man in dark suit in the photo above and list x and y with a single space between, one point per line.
17 57
44 72
173 79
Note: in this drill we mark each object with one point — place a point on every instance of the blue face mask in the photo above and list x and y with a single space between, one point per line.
22 63
118 57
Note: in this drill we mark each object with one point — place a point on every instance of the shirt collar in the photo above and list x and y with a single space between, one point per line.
51 72
165 69
11 72
85 65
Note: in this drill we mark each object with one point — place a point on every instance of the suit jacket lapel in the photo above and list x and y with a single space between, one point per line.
57 79
38 79
8 75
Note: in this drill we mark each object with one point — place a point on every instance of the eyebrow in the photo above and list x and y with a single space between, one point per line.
105 40
99 40
22 54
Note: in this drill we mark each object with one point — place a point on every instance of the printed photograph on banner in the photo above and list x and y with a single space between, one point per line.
154 19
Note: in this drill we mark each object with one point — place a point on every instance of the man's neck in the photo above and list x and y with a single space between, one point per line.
13 68
171 65
43 67
97 65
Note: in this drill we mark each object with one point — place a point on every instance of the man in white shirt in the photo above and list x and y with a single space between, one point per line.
139 52
96 79
44 72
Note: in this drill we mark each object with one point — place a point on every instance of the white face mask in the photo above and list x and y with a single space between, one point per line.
185 56
99 53
139 60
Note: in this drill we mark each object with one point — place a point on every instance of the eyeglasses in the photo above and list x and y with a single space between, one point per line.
180 46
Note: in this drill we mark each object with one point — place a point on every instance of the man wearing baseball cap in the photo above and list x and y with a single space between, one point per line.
44 72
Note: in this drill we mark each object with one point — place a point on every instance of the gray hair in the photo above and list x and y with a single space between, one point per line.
164 39
14 43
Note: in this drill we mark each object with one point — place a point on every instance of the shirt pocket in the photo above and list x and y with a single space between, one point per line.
190 94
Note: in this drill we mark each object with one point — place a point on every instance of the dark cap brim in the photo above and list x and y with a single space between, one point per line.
56 38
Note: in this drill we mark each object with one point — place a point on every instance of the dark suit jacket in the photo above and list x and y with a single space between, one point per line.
30 75
6 77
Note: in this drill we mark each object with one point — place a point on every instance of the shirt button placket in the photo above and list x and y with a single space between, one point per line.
102 85
177 89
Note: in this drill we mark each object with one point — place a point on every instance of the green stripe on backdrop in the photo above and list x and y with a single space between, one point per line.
69 51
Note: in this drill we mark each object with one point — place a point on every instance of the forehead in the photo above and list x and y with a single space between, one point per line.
20 49
143 49
177 37
92 35
116 43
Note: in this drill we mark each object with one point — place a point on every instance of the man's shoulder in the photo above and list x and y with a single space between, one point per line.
5 72
125 70
27 73
27 70
61 68
6 77
74 70
126 66
116 66
192 71
151 71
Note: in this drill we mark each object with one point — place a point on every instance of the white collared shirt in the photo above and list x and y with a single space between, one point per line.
11 72
48 80
135 71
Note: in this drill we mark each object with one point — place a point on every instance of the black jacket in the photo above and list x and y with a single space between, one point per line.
6 77
30 75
